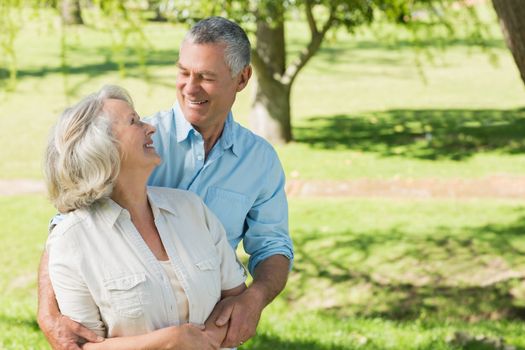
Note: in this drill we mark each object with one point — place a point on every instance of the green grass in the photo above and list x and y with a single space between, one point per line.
22 237
344 164
368 274
381 274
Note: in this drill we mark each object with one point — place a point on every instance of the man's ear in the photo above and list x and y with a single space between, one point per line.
244 77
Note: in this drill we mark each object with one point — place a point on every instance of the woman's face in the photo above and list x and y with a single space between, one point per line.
134 136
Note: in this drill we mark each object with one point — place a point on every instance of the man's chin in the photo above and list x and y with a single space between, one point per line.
191 116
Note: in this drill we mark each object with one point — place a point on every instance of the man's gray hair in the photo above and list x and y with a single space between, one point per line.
82 160
214 30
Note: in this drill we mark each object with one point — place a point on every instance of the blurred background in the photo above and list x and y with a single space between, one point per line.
400 125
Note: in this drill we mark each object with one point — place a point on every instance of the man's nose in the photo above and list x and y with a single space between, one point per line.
192 84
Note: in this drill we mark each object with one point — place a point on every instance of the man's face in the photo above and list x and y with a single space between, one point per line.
205 87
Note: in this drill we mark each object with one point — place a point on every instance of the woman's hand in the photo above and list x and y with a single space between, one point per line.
190 337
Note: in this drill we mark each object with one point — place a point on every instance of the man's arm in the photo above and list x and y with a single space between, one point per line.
61 332
244 311
271 253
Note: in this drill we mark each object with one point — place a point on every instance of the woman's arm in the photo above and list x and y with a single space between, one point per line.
185 337
234 291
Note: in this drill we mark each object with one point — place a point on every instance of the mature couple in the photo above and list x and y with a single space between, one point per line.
130 266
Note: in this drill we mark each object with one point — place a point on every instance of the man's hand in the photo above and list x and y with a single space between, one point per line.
243 312
65 334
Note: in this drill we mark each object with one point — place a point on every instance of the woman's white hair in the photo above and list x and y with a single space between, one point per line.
82 161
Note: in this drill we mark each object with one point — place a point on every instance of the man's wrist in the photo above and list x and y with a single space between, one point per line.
259 294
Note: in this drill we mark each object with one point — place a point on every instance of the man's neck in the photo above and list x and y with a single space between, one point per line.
210 136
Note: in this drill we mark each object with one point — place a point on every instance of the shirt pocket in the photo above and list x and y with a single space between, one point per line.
209 274
126 294
230 207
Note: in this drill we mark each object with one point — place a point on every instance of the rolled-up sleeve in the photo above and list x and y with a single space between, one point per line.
267 232
72 294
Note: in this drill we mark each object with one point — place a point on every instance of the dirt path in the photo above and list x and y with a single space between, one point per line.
501 186
21 186
498 186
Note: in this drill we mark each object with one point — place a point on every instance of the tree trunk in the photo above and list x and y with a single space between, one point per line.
270 114
511 15
70 12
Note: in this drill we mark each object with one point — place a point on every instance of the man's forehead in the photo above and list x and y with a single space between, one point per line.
188 43
202 58
196 69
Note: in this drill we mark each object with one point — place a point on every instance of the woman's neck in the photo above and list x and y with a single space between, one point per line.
130 193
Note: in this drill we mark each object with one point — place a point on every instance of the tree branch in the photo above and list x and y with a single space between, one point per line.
310 17
315 43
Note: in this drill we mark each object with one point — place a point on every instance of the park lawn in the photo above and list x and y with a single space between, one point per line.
361 108
368 274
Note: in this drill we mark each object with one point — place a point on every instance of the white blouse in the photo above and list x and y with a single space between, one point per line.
105 276
182 301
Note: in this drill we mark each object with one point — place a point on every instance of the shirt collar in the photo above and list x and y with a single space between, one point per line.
183 128
227 137
158 203
112 210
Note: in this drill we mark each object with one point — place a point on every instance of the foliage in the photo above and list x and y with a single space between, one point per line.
121 21
11 23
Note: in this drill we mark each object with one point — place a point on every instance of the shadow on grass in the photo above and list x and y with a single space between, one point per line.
105 61
469 274
267 342
426 134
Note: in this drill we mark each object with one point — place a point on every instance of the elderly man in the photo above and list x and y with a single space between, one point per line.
237 174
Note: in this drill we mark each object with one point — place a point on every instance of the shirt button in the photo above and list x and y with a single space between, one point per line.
199 157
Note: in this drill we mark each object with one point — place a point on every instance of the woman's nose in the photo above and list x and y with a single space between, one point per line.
150 129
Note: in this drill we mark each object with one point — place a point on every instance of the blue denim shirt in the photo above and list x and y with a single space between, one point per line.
241 181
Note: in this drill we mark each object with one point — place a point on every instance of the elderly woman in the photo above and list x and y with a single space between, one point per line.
138 265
